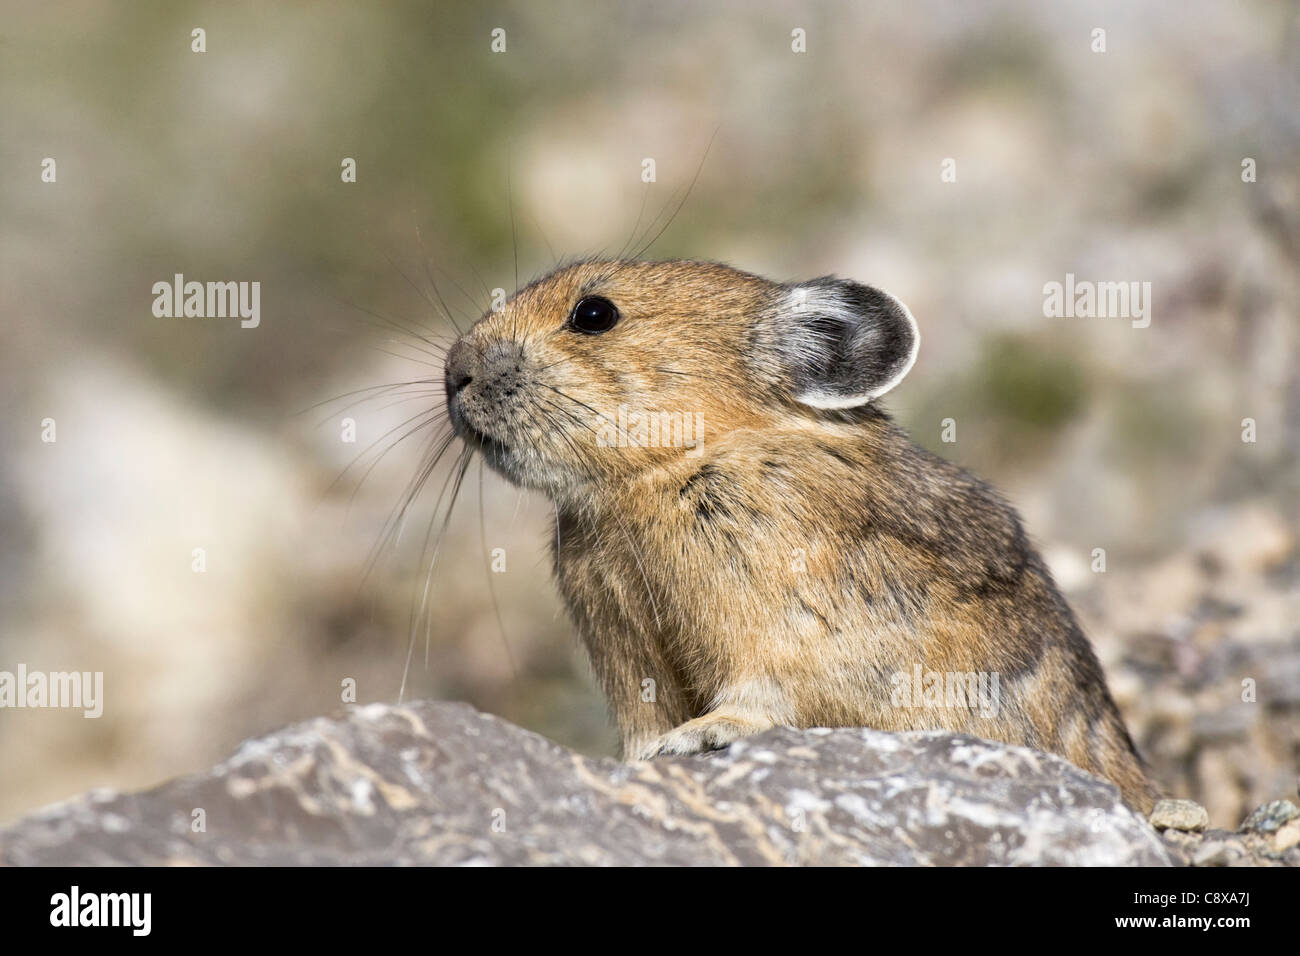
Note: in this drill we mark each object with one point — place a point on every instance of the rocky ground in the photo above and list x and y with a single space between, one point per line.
1202 651
444 784
1270 836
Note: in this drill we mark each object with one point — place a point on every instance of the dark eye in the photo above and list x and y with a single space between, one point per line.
593 315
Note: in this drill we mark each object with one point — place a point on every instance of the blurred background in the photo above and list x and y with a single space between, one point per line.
177 434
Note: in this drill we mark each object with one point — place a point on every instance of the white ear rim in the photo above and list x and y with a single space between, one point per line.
821 400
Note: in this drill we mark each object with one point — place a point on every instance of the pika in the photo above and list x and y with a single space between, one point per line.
745 539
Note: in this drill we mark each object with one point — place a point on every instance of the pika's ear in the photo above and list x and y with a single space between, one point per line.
843 344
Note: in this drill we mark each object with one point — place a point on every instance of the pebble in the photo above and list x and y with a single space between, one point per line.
1216 853
1271 816
1287 836
1180 815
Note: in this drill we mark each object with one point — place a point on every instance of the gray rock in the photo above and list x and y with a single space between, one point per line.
1271 816
1240 848
1179 815
1218 853
444 784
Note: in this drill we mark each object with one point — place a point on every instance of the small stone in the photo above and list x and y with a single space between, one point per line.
1182 838
1271 816
1180 815
1287 836
1217 853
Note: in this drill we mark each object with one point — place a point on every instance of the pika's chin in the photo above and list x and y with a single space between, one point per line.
519 464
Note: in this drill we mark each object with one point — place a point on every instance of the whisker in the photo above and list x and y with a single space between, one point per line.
514 243
578 455
415 396
636 226
699 169
600 415
422 394
458 472
408 358
395 523
654 606
543 368
438 352
514 239
416 613
556 509
425 343
365 451
426 261
358 391
477 308
487 567
542 232
423 294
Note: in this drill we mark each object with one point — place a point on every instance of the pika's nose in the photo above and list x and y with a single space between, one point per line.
458 370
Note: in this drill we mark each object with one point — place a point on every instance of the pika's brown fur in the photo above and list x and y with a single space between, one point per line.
805 564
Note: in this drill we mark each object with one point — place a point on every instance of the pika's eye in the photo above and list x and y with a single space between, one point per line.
593 315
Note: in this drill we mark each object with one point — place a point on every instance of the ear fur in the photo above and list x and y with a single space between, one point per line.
844 344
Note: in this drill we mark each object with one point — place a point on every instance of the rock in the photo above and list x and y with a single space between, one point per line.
1217 853
1203 656
443 784
1271 816
1182 846
1287 836
1179 815
1242 848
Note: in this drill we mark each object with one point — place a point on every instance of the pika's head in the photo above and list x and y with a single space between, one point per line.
603 369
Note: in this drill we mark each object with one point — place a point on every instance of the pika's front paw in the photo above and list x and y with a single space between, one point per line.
710 732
